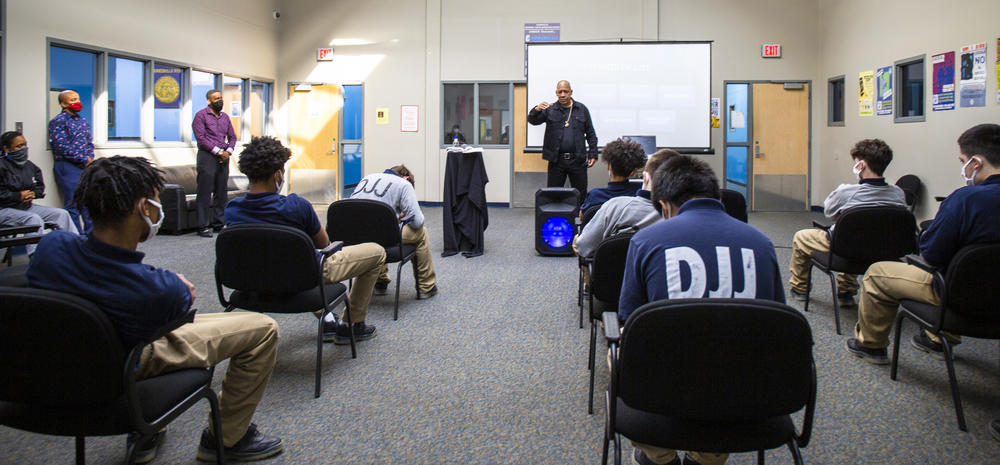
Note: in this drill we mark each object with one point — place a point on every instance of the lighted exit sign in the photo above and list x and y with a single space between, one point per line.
324 54
770 50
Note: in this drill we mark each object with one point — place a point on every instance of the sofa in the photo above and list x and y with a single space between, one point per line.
180 212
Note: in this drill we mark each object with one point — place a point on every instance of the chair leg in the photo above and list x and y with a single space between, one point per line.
593 368
350 327
319 353
395 312
604 448
796 453
950 362
618 449
760 457
213 406
896 330
133 449
836 306
809 286
81 451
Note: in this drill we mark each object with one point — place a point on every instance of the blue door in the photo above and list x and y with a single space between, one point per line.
737 120
351 149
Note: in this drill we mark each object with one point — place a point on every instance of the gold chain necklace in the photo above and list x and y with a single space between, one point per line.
570 115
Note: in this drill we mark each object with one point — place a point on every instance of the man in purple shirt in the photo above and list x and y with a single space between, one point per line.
216 140
73 149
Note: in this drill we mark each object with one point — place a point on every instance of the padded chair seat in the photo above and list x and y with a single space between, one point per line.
959 324
285 303
156 395
392 253
820 259
677 433
14 276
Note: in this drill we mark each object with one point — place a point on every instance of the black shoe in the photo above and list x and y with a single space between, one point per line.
995 429
875 356
639 458
253 446
330 328
205 232
361 332
926 344
427 295
381 288
845 300
148 451
217 227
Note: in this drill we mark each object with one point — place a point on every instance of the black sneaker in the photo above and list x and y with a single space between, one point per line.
253 446
427 295
875 356
926 344
205 232
330 328
381 288
361 332
148 451
639 458
845 300
995 429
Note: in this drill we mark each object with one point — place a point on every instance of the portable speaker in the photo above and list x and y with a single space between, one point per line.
556 209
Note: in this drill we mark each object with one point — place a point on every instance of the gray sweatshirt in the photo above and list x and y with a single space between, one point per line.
393 191
617 215
868 193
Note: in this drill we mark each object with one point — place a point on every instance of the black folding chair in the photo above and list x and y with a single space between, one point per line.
275 269
968 291
711 375
735 203
67 374
14 236
356 221
606 273
584 262
860 237
910 184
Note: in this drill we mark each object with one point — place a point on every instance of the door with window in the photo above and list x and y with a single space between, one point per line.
313 129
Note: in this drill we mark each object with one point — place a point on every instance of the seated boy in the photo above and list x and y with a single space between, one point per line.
623 157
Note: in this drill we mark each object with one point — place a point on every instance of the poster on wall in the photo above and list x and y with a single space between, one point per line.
883 85
866 91
998 69
714 112
943 81
409 118
972 78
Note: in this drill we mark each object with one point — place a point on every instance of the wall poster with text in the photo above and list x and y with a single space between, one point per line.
866 92
972 76
943 81
883 89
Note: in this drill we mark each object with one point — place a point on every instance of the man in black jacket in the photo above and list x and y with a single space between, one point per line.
567 127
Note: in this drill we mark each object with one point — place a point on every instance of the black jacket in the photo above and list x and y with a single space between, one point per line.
580 124
14 179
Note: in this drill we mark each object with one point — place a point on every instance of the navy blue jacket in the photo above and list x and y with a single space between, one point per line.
701 252
599 195
580 123
969 215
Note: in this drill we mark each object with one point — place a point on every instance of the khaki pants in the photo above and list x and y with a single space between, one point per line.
884 285
661 455
805 242
248 340
423 265
361 262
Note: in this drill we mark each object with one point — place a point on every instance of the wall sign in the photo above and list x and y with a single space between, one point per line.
409 118
770 51
381 116
324 54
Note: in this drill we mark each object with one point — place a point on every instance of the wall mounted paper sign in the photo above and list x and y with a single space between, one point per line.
883 88
715 112
409 118
866 92
381 116
972 76
235 109
739 120
943 81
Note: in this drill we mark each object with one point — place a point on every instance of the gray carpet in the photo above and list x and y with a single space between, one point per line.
493 371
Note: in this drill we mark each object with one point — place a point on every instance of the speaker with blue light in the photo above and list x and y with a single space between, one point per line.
555 214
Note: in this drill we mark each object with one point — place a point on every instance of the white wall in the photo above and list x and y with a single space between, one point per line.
854 37
233 36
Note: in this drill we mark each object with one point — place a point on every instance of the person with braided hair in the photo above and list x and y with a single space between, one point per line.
122 196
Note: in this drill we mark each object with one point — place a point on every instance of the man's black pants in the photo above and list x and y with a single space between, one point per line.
574 169
213 178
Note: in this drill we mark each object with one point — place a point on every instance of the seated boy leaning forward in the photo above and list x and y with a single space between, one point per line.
121 195
968 216
263 161
686 191
394 187
623 157
871 157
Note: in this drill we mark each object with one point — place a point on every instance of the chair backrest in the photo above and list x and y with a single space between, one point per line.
355 221
735 203
874 234
58 350
588 214
716 359
609 268
971 281
910 184
266 258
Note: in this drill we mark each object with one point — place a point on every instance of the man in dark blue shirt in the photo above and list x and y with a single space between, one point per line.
698 252
122 196
623 158
967 216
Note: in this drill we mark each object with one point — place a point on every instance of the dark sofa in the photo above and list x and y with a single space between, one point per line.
180 212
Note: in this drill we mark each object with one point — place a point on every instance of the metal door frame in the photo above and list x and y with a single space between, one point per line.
750 129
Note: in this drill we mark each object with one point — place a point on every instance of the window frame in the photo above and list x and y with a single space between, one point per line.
898 90
830 104
147 93
475 111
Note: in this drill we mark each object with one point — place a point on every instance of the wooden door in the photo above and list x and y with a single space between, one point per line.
313 129
780 147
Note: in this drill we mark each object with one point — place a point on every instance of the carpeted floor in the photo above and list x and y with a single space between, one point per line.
493 371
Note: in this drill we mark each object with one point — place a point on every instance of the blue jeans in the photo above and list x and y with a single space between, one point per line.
67 177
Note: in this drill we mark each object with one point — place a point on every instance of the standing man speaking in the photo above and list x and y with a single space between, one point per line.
73 149
567 127
216 140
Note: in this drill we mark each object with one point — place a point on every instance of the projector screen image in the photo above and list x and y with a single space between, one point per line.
661 89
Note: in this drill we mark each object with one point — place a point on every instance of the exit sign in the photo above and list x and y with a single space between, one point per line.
770 50
324 54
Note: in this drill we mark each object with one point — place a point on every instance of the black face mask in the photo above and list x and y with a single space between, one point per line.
216 105
20 156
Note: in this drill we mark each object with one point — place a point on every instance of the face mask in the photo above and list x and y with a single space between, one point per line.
19 156
75 107
153 227
857 171
217 105
278 185
971 180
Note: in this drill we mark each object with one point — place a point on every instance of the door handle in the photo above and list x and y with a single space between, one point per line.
756 150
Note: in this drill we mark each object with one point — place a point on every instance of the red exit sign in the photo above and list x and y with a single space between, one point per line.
324 54
770 50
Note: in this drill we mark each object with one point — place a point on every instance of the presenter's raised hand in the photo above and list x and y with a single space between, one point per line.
542 106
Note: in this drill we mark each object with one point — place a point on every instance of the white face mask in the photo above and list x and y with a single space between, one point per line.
153 227
970 180
857 171
280 185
